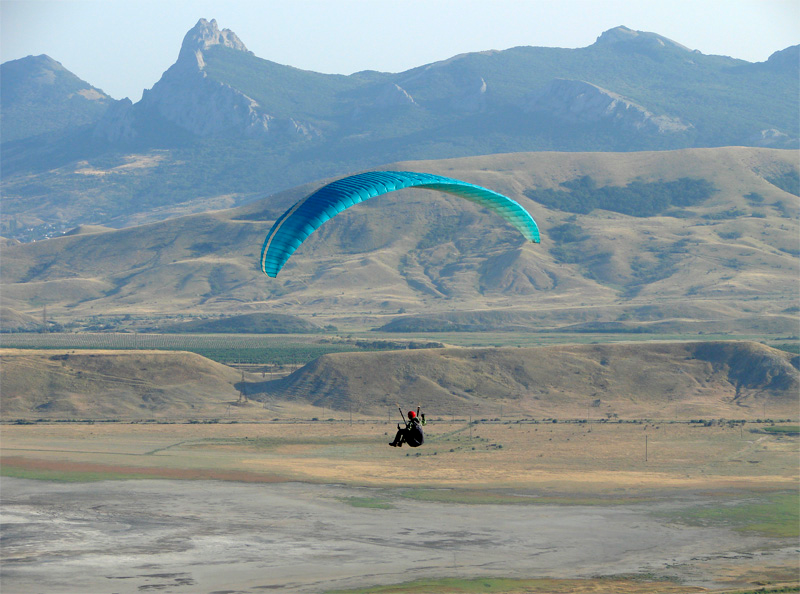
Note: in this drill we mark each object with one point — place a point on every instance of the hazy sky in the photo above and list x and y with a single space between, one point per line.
123 46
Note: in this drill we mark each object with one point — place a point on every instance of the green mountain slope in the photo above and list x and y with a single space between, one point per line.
39 95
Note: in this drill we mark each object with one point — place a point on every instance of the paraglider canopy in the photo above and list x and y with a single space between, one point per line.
308 214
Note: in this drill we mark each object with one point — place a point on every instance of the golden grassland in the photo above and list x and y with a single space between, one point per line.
654 380
398 255
604 460
743 477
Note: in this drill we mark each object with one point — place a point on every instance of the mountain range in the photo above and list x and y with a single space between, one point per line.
223 127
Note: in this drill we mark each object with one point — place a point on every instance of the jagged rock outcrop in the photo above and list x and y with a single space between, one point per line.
203 106
578 101
187 97
204 35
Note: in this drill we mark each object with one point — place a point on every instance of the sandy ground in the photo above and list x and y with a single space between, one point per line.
216 536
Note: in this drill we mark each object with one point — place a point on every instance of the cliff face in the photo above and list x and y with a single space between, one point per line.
579 101
187 97
202 106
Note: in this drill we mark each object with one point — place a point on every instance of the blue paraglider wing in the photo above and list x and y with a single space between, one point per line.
306 216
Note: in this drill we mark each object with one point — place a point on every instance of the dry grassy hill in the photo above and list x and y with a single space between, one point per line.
734 255
733 380
113 385
12 320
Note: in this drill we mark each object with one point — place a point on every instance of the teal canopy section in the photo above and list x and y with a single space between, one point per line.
306 216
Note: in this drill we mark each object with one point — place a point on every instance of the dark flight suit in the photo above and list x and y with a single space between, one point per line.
410 434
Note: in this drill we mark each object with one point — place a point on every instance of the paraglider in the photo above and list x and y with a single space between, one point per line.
308 214
410 433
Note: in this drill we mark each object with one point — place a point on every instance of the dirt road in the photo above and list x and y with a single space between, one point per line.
210 536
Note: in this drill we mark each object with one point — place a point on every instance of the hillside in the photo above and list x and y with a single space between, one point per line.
113 385
657 380
40 96
223 127
731 255
14 321
257 323
680 380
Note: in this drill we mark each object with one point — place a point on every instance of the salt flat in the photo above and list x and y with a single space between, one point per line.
216 536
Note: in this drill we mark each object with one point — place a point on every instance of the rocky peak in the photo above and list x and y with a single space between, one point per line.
187 97
623 36
202 36
206 33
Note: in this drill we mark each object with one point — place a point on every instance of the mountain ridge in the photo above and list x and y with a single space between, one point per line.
58 99
228 126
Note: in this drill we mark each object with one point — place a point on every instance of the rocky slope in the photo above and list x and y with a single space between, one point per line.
577 101
186 96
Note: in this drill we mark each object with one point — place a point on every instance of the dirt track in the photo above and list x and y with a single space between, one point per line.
210 536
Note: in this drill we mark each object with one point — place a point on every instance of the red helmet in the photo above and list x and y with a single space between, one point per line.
411 414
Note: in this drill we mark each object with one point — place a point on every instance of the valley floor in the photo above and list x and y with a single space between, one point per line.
561 459
212 536
320 506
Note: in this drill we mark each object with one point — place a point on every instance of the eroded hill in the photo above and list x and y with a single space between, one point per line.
113 385
685 380
658 380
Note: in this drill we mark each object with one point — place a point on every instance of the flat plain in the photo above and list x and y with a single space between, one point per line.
657 506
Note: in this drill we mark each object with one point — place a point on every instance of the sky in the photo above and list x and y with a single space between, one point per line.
124 46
